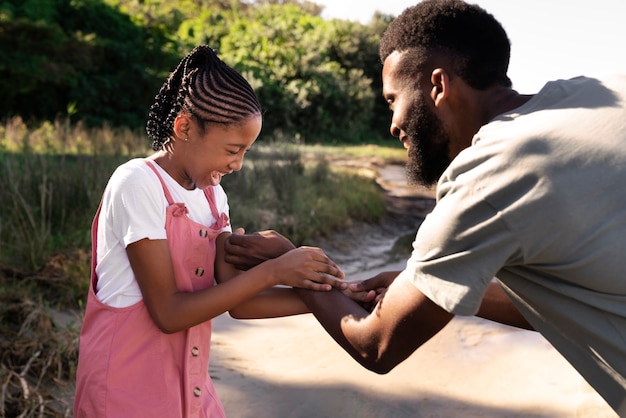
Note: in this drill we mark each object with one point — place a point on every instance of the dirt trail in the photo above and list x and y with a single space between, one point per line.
365 247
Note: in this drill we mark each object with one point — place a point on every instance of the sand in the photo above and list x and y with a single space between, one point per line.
290 367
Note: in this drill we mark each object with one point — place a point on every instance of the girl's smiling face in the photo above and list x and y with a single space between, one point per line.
202 153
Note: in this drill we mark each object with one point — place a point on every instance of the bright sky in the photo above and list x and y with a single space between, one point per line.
550 39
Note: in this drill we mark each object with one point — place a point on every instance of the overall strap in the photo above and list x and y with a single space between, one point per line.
168 196
210 196
222 219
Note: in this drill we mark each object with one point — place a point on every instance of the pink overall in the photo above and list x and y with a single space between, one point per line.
127 367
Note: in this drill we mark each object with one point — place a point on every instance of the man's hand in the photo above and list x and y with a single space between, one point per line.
245 251
368 292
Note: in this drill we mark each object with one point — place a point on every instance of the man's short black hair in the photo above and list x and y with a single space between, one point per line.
474 41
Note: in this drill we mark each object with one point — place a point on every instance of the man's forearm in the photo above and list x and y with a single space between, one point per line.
331 310
401 322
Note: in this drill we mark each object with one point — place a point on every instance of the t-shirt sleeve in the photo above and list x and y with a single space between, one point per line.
459 249
135 204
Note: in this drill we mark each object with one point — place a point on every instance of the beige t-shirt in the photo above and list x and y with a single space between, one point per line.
539 201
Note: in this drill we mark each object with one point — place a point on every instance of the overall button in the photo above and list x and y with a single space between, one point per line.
195 351
197 392
203 233
199 271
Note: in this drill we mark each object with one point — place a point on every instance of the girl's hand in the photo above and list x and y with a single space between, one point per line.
308 268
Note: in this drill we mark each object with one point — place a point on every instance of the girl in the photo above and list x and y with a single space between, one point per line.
158 240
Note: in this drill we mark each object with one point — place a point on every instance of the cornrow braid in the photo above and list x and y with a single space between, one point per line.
206 88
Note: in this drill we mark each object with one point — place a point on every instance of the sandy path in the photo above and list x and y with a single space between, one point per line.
289 367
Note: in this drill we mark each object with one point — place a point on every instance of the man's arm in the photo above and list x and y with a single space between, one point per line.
402 320
497 306
249 250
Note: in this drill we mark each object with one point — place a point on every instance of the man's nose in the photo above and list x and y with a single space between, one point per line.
394 130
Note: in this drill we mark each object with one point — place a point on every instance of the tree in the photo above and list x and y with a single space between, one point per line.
286 54
103 61
78 54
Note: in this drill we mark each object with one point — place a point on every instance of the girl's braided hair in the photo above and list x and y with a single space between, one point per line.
206 88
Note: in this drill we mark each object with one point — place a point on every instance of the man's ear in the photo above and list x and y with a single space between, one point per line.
440 81
182 123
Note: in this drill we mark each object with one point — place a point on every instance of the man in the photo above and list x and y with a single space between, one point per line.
530 191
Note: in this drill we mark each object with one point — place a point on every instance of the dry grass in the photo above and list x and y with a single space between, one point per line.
39 345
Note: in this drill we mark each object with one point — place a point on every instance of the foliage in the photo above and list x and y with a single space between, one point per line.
102 61
78 58
315 78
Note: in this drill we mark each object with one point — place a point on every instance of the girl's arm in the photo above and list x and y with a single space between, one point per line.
270 303
173 311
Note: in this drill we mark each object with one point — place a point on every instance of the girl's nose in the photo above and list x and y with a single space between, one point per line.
236 165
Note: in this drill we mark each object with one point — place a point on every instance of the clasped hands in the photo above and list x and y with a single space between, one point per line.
245 251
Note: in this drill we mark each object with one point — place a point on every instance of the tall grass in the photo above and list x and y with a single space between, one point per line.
301 198
52 178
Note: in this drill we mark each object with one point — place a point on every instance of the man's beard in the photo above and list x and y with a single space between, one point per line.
429 146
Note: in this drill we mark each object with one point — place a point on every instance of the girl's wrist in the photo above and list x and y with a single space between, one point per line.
267 273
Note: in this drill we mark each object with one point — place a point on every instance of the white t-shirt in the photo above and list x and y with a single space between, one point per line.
539 201
133 208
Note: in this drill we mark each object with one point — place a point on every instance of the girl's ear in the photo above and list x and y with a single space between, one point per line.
182 124
440 81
